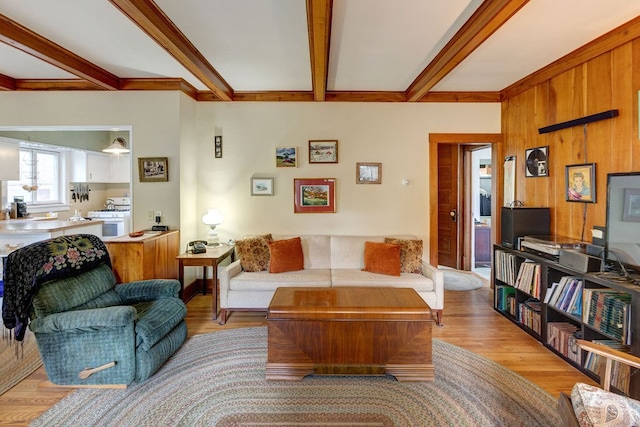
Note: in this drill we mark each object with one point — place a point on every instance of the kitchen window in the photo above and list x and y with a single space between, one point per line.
40 178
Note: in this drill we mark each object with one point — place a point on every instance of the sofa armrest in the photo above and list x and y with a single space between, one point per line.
438 282
85 320
148 290
224 276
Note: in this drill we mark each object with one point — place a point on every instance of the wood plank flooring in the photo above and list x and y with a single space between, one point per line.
469 322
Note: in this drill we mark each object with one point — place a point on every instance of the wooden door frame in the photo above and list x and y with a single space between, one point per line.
493 139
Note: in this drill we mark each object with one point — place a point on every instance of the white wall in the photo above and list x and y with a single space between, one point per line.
394 134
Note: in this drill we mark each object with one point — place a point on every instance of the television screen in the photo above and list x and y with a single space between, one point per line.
623 219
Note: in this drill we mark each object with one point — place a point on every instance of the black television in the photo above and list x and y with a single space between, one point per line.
622 235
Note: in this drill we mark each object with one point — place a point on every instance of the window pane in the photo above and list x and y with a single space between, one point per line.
37 169
47 177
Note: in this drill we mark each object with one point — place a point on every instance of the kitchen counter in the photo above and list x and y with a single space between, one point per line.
12 226
128 239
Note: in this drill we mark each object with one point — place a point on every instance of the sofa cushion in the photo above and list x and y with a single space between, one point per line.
315 248
595 407
263 280
354 277
410 255
285 255
156 319
382 258
253 252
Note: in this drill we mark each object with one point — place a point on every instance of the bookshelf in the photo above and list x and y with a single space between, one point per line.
557 305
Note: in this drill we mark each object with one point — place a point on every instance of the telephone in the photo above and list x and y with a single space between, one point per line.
198 247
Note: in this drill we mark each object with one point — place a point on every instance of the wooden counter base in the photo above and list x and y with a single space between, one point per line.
373 339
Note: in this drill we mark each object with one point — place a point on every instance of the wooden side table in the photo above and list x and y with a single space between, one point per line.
211 258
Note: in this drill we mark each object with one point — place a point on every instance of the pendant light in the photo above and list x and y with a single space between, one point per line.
117 147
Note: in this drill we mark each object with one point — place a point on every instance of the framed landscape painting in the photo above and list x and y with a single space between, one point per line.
323 151
314 195
286 157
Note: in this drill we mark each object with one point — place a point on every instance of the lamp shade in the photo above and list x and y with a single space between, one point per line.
117 147
212 217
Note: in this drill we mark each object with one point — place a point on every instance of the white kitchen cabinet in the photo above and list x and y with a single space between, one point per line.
89 167
120 168
9 161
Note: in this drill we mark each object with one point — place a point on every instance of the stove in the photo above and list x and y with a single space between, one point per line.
116 217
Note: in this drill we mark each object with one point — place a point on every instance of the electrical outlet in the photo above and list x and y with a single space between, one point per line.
159 214
150 216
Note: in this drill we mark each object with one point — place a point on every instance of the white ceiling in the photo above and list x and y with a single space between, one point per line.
263 45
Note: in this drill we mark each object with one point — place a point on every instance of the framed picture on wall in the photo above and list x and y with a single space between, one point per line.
368 173
537 162
314 195
286 157
581 183
153 169
261 186
323 151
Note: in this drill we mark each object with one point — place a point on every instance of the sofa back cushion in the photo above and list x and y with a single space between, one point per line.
92 289
348 251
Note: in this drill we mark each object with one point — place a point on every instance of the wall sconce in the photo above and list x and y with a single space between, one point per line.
117 147
212 218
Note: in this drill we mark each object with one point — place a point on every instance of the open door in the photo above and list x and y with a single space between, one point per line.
449 206
447 213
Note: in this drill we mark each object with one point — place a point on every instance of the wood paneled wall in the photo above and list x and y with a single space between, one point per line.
609 80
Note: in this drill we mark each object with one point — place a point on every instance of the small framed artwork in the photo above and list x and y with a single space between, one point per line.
537 162
153 169
314 195
323 151
286 157
368 173
631 205
581 183
509 180
261 186
218 146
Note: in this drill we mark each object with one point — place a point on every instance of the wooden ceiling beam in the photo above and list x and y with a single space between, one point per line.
7 83
152 20
19 37
319 13
488 18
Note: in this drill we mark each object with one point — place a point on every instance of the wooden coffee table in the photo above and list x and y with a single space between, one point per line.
349 331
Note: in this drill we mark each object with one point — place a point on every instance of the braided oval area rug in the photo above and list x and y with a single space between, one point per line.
217 379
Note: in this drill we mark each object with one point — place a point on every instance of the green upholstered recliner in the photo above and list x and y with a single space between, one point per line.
90 330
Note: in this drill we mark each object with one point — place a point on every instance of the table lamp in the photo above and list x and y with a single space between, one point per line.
212 218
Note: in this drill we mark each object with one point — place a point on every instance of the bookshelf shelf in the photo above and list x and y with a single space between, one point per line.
556 305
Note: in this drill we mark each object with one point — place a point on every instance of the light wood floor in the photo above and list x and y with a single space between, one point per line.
469 322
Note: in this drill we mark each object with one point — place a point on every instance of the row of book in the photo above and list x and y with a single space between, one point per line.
505 299
566 295
529 278
505 267
529 315
620 372
562 336
608 311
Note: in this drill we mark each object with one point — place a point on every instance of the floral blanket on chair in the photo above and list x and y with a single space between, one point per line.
29 267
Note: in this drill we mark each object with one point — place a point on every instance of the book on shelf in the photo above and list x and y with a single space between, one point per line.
528 279
566 295
503 297
620 372
609 311
561 336
529 314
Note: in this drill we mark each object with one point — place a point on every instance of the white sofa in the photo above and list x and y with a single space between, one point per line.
328 261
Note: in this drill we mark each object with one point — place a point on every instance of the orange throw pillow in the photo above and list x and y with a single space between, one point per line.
382 258
285 255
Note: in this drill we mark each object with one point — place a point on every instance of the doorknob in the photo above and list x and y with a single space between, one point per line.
454 215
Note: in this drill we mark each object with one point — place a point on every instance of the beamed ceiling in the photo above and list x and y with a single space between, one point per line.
297 50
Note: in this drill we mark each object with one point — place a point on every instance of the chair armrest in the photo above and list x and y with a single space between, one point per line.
85 320
610 355
567 414
148 290
224 276
438 281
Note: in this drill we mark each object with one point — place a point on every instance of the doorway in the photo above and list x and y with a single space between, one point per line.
451 210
